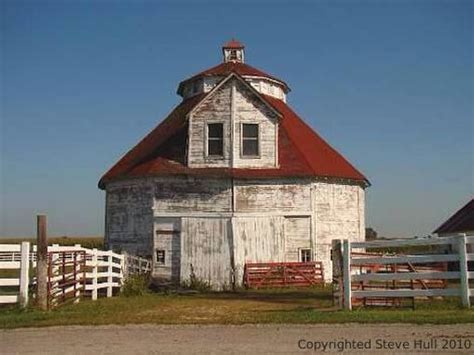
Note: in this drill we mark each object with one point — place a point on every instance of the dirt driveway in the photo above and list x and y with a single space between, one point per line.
282 339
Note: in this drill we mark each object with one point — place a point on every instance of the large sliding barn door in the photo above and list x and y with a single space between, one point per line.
207 251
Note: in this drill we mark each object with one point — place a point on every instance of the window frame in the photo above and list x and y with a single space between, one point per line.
207 138
242 155
157 252
300 256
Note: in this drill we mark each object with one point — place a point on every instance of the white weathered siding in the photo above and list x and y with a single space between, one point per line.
216 108
278 195
129 219
192 194
224 226
340 213
206 84
233 104
248 108
297 231
206 249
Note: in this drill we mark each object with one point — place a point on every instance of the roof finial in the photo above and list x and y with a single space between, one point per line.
233 51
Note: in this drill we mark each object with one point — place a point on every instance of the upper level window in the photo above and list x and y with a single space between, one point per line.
250 139
233 55
215 139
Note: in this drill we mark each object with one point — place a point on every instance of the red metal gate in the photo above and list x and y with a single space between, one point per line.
297 274
66 276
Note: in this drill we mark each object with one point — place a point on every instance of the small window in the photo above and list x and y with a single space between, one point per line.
215 139
305 255
250 140
160 257
233 54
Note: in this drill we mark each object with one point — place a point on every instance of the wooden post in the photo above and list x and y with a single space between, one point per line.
463 271
24 273
346 273
109 274
94 274
42 263
336 258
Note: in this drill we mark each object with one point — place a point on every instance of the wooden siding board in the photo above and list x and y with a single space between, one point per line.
285 195
257 239
181 194
206 251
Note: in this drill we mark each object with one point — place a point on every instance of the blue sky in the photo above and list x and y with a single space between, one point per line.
388 83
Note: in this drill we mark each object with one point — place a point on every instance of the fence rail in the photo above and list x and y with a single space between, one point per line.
73 272
15 257
386 278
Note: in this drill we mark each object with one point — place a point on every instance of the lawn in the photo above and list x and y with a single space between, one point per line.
269 306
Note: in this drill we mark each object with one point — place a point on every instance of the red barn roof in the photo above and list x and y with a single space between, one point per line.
461 221
233 44
301 151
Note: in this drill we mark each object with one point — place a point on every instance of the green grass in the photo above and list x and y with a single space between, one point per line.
268 306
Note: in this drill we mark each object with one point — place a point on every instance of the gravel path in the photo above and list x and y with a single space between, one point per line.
275 339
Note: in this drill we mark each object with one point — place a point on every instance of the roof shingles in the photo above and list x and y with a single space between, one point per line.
301 151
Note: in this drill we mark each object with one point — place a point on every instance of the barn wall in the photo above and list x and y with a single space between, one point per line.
340 214
213 238
129 217
192 194
279 195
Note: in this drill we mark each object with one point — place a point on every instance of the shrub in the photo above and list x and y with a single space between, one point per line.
135 285
196 283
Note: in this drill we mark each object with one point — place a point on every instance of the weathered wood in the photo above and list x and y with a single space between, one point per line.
42 263
463 270
24 273
346 274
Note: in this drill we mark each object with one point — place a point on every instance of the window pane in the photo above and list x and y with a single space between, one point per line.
215 130
160 256
215 147
250 130
250 147
306 255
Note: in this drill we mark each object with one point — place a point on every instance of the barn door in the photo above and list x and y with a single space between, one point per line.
167 249
298 238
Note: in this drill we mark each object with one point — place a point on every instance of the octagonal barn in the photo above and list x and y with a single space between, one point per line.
231 176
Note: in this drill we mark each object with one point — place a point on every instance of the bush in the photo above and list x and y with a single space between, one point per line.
135 285
196 283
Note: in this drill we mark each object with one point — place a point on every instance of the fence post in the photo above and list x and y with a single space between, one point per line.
24 273
125 265
42 263
464 271
94 274
337 279
109 274
347 274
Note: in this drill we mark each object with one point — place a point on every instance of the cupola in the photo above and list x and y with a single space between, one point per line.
233 51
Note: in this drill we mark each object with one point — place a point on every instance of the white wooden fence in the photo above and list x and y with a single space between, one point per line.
104 269
458 253
15 257
101 270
